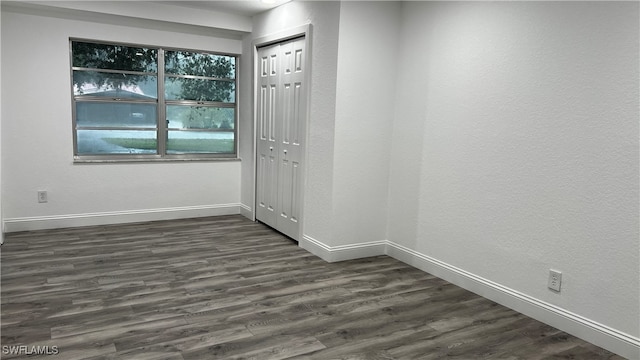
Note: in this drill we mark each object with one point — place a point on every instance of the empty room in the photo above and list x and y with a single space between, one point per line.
320 179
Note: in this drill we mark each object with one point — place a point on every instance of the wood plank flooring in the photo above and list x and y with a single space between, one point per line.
229 288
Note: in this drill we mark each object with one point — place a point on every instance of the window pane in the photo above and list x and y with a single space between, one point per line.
108 114
180 142
102 142
114 57
201 64
115 94
200 90
200 117
110 85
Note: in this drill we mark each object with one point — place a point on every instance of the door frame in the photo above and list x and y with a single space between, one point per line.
278 37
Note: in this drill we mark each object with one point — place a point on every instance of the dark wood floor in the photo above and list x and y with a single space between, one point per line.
229 288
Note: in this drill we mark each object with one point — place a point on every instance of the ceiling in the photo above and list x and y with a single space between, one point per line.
226 17
239 7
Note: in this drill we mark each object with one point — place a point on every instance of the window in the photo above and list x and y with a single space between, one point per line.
136 102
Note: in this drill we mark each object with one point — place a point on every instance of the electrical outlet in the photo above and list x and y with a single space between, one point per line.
555 280
42 196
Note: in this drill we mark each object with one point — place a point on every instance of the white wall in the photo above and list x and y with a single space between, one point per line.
515 149
246 145
365 97
1 218
37 137
324 16
349 143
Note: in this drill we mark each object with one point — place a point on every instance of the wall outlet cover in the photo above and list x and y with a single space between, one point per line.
555 280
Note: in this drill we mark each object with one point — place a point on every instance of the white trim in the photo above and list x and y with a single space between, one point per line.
247 212
343 252
601 335
281 36
117 217
584 328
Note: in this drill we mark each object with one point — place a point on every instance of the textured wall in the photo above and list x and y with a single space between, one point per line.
515 148
1 111
246 145
37 133
365 96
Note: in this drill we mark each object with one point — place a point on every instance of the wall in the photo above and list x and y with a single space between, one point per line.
365 96
324 17
349 143
513 145
515 150
37 137
1 218
246 146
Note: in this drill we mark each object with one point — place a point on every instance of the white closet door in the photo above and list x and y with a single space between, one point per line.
281 110
267 147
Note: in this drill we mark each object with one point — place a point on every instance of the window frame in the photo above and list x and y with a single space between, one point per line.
161 129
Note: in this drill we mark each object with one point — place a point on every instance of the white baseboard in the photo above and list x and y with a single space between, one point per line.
247 212
601 335
591 331
340 253
117 217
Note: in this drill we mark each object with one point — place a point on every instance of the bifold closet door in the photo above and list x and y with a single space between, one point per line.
281 107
